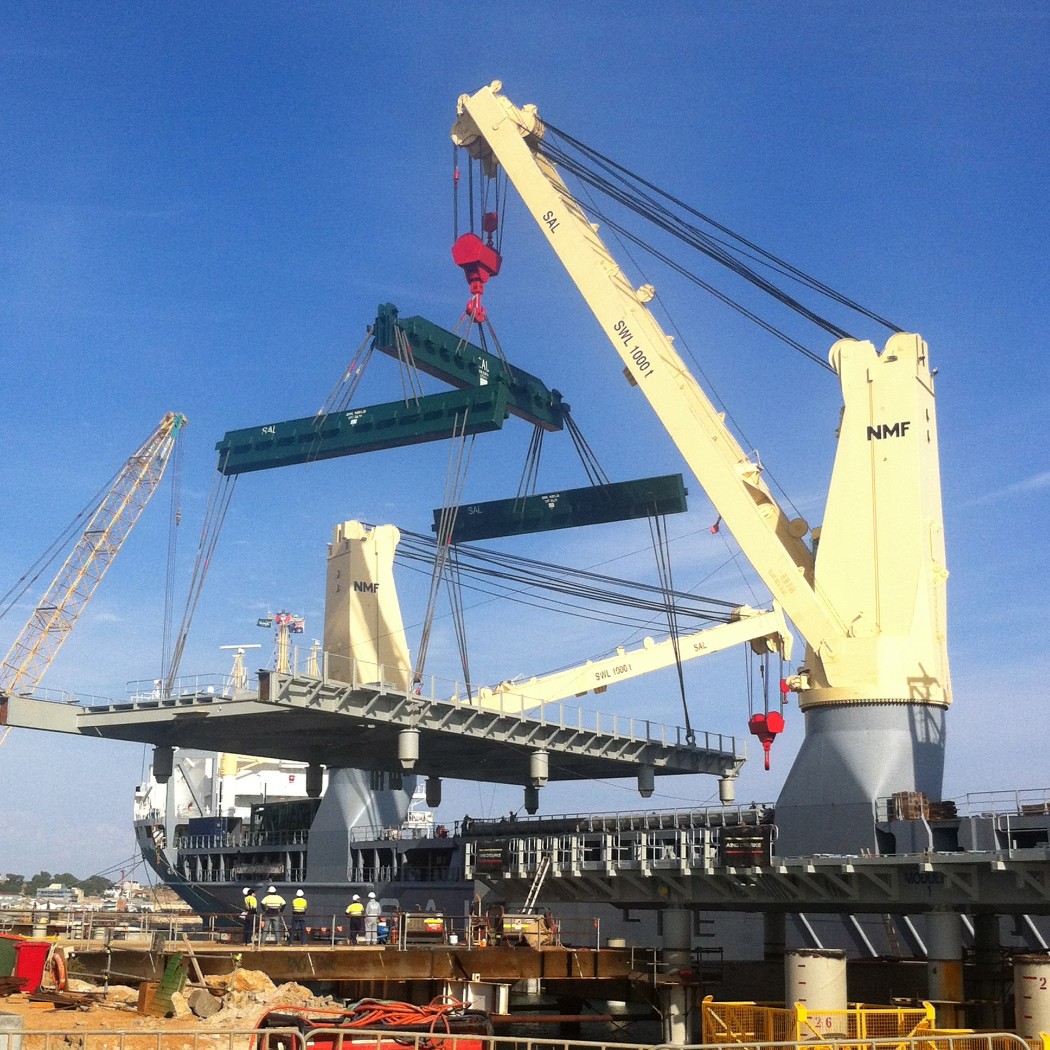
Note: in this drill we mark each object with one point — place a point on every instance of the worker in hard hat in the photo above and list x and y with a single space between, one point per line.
273 904
372 910
356 910
251 907
299 918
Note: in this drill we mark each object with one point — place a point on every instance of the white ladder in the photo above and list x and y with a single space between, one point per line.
537 883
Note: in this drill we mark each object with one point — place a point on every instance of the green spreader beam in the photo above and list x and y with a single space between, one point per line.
447 357
568 508
431 418
488 390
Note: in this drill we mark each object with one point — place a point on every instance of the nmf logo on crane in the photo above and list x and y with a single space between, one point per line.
889 430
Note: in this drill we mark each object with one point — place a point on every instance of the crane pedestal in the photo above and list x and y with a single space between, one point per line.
852 755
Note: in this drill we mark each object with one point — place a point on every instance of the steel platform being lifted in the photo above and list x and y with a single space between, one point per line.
325 722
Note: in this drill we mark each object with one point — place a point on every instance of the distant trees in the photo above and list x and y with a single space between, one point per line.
14 883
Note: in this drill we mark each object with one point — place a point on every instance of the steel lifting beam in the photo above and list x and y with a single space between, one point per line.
448 357
568 508
431 418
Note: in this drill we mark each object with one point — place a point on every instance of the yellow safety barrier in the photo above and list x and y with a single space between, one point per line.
749 1022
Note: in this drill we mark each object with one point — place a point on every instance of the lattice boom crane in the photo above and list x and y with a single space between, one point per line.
54 617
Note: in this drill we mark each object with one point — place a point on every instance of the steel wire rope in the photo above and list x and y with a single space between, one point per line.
54 549
702 243
661 548
611 589
459 622
343 392
530 470
174 519
459 457
596 474
215 514
549 605
785 268
620 231
712 290
411 385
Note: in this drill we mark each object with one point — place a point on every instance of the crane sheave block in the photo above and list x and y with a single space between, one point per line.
391 425
568 508
446 356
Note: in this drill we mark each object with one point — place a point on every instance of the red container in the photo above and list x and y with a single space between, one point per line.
30 960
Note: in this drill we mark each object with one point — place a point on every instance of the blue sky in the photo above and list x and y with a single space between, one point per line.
202 205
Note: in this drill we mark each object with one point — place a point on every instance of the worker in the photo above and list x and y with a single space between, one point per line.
273 905
299 918
372 910
356 910
251 907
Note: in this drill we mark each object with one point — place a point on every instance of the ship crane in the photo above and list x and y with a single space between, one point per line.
871 601
65 599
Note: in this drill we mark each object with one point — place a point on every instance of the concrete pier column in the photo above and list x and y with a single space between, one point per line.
989 989
675 999
774 930
945 966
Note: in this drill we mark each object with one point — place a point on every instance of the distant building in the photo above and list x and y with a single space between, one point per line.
57 895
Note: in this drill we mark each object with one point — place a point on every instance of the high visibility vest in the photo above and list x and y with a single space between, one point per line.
272 902
299 905
355 908
250 903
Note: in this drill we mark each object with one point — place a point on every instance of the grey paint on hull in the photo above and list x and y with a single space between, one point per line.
350 802
852 755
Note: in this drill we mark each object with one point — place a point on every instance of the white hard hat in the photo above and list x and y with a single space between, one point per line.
356 898
246 891
298 893
272 889
372 896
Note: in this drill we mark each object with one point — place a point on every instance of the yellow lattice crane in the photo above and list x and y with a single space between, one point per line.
113 518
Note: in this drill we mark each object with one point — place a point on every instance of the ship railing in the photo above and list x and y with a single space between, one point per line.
243 839
681 850
220 686
621 820
64 696
357 674
1010 802
383 833
1026 801
92 923
333 667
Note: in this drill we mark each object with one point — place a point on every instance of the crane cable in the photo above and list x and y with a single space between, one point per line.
174 520
646 205
460 451
530 471
662 550
518 574
343 392
54 550
215 514
624 235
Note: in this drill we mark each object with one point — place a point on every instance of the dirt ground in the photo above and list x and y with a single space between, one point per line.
243 998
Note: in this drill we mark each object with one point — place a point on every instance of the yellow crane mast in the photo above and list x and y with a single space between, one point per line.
870 600
54 617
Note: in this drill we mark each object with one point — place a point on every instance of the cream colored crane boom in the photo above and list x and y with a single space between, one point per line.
67 596
871 604
766 631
